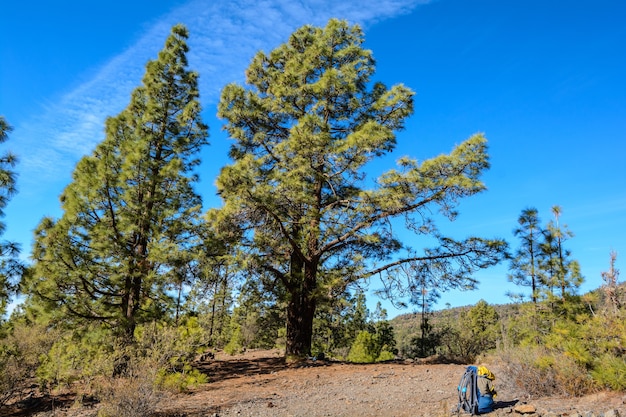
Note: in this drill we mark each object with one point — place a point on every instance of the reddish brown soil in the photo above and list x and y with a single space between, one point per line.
261 384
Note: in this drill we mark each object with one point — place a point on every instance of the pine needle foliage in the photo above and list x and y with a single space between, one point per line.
130 214
10 265
305 127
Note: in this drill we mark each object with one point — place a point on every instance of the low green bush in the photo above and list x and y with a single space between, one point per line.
610 372
181 381
368 349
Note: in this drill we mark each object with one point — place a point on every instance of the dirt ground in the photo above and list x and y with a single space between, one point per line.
259 384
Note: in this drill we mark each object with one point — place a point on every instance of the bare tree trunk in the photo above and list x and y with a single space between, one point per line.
300 313
301 310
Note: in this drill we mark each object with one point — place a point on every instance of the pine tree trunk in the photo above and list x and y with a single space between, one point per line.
300 313
301 310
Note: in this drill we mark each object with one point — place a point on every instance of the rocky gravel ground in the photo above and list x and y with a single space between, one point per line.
260 384
263 386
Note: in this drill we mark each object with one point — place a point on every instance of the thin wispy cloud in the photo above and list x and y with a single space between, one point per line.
224 36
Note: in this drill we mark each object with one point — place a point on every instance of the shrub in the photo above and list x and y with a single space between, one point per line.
527 370
610 372
20 352
571 376
235 344
363 349
181 381
31 341
81 355
540 372
160 360
171 348
133 396
385 355
368 349
12 375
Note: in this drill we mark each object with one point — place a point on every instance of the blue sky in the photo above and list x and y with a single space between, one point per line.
544 80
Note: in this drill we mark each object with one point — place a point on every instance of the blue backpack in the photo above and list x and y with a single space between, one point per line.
468 391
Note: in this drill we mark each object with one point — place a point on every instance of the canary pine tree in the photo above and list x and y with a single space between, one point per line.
130 215
567 276
525 270
304 130
10 266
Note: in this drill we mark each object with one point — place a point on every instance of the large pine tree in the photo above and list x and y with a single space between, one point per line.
305 128
130 215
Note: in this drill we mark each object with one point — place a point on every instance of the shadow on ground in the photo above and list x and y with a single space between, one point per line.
223 369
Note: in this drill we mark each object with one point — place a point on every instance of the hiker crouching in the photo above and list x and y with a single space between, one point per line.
486 389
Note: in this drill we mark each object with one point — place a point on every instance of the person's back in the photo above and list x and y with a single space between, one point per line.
486 389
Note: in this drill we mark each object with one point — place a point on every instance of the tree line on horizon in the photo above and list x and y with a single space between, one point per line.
135 276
